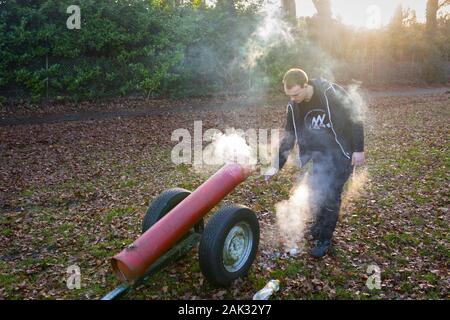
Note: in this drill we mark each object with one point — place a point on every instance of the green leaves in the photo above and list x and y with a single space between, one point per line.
122 48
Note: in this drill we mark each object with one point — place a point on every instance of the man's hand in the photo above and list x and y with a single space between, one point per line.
269 174
358 158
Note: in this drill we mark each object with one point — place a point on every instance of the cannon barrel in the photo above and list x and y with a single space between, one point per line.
132 263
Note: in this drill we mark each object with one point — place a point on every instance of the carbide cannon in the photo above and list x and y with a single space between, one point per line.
173 224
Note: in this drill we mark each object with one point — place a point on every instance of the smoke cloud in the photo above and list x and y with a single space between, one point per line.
356 102
355 188
293 215
229 147
270 33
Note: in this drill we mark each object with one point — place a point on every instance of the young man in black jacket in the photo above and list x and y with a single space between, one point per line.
327 126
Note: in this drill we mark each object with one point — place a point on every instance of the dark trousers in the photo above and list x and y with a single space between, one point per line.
326 179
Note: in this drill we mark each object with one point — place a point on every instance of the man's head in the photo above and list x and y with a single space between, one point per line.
295 83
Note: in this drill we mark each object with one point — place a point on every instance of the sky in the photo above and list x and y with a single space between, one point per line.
357 12
363 13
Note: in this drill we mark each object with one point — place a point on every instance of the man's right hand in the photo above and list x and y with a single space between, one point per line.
269 174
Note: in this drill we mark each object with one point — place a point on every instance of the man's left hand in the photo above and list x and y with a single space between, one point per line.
358 158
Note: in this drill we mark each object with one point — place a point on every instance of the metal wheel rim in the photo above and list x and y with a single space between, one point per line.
237 247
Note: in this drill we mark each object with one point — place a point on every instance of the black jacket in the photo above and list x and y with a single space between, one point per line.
345 118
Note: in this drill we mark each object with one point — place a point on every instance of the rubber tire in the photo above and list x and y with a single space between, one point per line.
162 204
213 238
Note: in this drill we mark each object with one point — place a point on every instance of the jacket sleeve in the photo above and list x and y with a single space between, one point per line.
358 136
354 115
288 140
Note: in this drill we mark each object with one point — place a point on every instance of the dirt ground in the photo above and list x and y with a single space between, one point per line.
75 192
24 114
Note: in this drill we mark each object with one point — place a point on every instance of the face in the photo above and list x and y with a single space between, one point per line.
296 93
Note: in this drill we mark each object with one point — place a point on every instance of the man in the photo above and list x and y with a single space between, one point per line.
324 121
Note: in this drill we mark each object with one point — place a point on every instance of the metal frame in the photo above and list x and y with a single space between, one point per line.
172 255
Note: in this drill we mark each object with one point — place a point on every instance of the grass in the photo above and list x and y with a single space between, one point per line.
117 213
88 208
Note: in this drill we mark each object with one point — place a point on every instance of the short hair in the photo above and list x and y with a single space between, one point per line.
295 76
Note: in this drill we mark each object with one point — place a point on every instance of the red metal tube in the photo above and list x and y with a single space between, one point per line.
133 261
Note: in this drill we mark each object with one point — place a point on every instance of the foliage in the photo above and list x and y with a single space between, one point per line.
157 48
76 193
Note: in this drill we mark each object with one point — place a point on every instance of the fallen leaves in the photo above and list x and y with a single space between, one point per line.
76 192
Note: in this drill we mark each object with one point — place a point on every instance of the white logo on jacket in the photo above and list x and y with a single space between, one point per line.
316 120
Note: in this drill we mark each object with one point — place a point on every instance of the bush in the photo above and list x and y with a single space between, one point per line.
150 48
122 48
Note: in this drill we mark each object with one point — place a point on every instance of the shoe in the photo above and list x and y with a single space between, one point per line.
320 249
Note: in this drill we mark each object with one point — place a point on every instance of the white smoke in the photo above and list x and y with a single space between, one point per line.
293 215
355 188
229 147
271 32
355 101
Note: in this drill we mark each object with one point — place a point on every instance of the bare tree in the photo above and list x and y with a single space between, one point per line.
432 57
324 24
433 6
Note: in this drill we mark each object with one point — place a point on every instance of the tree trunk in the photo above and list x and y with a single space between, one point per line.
289 8
325 24
431 15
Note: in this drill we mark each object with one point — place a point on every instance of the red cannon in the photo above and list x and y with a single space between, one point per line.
173 224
